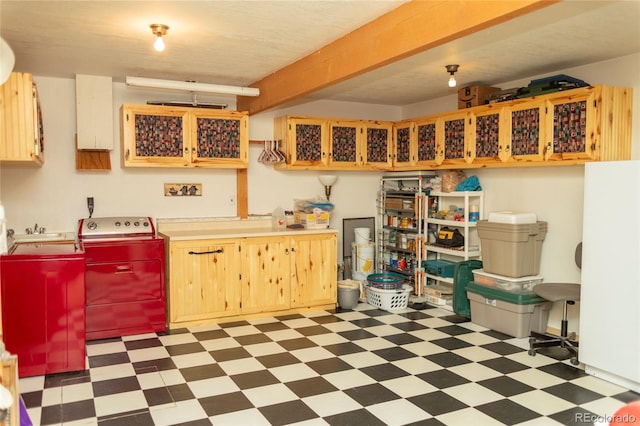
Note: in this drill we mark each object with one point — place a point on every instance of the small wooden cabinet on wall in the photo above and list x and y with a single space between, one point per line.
212 280
562 128
21 130
162 136
334 144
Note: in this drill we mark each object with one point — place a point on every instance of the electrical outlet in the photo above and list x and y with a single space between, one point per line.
232 200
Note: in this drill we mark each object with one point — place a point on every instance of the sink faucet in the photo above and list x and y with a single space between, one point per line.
35 229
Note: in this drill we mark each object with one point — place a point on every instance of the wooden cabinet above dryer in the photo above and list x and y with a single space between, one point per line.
161 136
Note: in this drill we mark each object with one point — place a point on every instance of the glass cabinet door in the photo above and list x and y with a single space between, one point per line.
489 143
344 146
527 131
427 143
308 146
454 138
573 135
403 145
220 138
377 151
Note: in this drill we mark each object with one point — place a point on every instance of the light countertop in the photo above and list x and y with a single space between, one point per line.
176 230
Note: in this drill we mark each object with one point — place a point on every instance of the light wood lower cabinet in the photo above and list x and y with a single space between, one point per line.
224 279
204 280
266 266
315 270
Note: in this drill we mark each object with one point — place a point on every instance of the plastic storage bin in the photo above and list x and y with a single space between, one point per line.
462 278
522 285
514 314
512 250
511 217
441 267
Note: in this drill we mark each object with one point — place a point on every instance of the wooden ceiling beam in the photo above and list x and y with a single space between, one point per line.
412 28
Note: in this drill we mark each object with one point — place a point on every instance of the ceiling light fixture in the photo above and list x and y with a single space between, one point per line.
452 69
191 86
159 30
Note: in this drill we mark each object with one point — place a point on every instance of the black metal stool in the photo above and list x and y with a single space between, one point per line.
557 292
568 294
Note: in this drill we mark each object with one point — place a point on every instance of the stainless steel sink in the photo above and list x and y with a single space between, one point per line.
44 237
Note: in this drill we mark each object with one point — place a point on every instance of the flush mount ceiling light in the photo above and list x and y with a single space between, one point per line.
159 30
452 69
191 86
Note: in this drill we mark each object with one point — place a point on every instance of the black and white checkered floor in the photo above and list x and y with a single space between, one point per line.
360 367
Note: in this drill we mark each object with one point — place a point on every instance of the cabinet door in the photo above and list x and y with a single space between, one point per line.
306 142
377 145
427 143
455 137
404 146
155 136
344 144
314 274
572 123
21 132
489 142
527 130
220 138
204 280
265 274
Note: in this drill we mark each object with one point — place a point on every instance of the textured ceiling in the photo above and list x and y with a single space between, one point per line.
240 42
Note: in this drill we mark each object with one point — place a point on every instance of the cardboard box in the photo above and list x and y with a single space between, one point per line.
312 220
471 96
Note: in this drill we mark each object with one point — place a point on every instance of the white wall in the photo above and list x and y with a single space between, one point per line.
55 195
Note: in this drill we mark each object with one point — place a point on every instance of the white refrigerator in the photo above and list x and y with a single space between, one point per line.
610 292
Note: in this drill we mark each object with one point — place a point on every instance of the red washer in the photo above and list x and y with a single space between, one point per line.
43 307
124 278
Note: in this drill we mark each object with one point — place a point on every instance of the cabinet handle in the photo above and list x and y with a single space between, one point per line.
207 252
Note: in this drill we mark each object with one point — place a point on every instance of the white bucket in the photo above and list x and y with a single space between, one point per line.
362 235
363 262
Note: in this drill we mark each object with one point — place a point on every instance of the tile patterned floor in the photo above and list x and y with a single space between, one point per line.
360 367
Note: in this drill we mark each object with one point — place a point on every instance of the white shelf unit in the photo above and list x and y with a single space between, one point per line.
438 290
401 213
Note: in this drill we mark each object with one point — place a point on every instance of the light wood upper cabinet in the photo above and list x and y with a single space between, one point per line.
571 127
334 144
266 269
527 131
404 145
567 127
21 130
377 152
305 141
427 144
345 144
159 136
204 280
490 140
454 133
314 270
